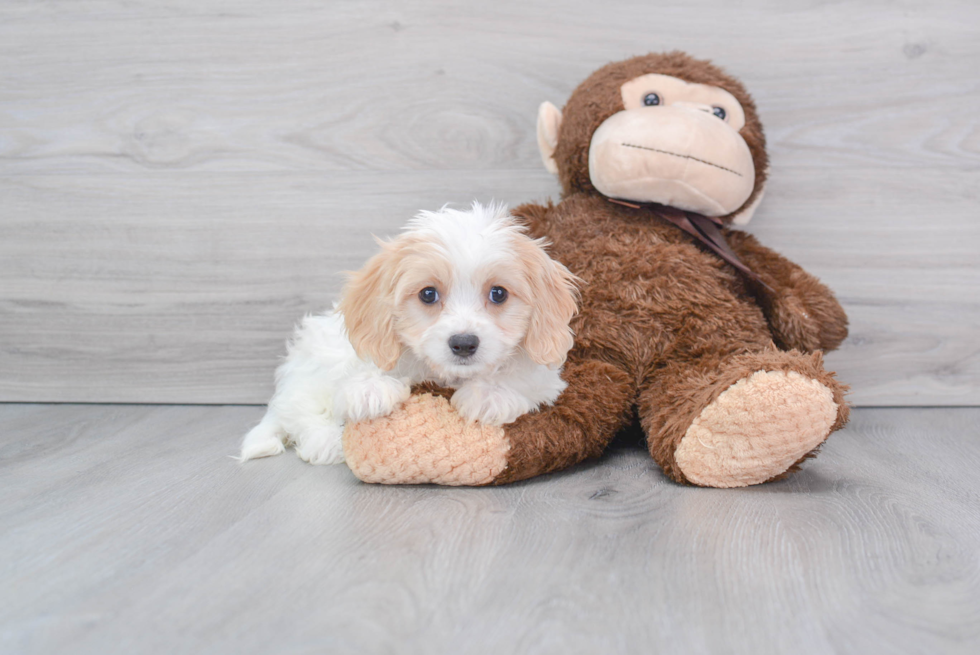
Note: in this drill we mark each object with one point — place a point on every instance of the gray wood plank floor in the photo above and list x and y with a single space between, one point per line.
180 181
127 529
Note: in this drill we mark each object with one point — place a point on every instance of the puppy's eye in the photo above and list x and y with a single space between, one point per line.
429 295
498 295
719 112
651 100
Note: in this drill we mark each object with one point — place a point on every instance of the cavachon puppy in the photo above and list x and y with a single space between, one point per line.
462 299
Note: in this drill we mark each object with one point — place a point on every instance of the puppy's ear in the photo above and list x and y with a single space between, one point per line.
553 304
368 306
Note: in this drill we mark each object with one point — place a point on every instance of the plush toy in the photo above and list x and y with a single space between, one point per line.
710 340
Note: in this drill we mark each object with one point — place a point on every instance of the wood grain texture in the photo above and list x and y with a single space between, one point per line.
127 529
180 181
445 85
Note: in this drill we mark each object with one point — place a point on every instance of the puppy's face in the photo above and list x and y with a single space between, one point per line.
463 291
463 318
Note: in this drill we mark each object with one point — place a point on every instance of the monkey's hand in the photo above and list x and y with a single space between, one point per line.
802 312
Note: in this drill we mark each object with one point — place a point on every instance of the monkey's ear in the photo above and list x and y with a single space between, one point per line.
549 120
745 215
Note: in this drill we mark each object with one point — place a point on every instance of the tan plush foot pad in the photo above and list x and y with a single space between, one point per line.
425 441
756 429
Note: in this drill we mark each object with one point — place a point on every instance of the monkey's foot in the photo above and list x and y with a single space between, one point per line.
756 429
425 441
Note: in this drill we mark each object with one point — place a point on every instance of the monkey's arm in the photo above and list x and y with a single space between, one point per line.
426 441
802 312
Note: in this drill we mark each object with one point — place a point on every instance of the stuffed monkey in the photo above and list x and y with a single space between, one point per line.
711 340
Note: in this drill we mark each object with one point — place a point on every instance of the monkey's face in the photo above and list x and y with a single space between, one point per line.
675 143
664 128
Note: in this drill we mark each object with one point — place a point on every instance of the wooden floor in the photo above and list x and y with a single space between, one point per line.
127 529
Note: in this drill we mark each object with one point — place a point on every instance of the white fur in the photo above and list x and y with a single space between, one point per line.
323 383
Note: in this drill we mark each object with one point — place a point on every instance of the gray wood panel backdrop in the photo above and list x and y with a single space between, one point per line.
181 180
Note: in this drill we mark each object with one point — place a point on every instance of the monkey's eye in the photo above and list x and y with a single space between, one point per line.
429 295
651 100
498 295
719 112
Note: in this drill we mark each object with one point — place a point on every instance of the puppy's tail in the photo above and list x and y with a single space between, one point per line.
264 440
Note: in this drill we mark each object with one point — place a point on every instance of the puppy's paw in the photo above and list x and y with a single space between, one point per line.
490 403
264 440
321 445
373 397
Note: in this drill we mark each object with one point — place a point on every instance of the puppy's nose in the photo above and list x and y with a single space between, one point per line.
464 345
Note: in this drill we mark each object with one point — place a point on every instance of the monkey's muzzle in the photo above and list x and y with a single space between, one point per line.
676 156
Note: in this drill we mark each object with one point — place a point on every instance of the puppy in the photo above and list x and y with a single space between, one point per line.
461 298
